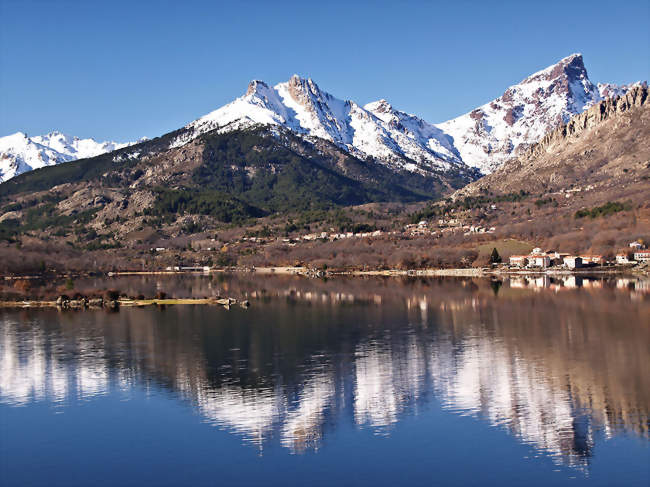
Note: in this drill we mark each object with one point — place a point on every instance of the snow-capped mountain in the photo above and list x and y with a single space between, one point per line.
500 129
20 153
412 133
480 140
377 131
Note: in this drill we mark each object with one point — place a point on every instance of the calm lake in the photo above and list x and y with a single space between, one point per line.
333 382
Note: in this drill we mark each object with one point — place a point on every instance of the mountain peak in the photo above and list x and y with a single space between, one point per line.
303 86
255 85
297 79
575 57
379 106
572 67
61 138
498 130
13 138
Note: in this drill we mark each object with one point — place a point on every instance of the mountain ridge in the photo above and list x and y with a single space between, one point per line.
20 153
574 155
498 130
481 139
300 105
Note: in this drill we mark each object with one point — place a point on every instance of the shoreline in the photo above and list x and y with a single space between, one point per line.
92 302
452 272
139 303
310 272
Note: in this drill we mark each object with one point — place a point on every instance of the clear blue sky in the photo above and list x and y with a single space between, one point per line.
122 70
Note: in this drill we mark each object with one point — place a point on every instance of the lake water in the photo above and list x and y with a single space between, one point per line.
337 382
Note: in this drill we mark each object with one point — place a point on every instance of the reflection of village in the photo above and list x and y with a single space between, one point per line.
572 281
526 377
340 290
632 286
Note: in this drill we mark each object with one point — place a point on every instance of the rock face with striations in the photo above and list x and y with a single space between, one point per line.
636 97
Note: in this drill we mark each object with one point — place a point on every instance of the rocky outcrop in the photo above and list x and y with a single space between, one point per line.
605 148
11 215
636 97
506 127
254 85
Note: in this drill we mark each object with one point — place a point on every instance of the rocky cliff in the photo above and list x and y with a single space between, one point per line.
506 127
611 107
605 146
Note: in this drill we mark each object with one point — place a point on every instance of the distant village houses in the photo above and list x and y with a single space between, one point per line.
537 258
573 262
642 256
592 259
622 258
518 260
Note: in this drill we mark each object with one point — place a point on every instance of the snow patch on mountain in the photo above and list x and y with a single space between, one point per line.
413 134
20 153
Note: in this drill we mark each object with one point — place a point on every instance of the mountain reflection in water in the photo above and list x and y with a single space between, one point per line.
551 368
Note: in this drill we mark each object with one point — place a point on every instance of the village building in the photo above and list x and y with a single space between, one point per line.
557 258
621 258
518 260
554 255
642 256
573 262
539 260
592 259
636 245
